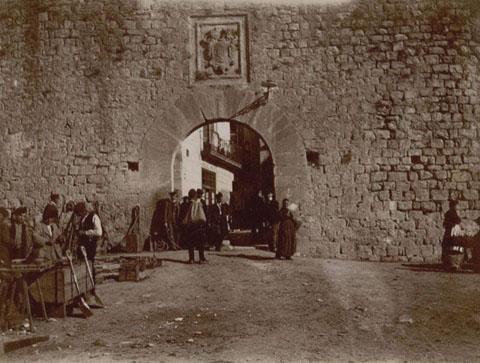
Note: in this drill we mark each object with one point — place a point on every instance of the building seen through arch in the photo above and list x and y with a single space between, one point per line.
229 158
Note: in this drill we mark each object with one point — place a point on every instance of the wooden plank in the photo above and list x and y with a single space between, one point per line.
11 345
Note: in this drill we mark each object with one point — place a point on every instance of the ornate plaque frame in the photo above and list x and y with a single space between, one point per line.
219 45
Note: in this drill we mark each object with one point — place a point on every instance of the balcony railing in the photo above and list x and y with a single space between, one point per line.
224 150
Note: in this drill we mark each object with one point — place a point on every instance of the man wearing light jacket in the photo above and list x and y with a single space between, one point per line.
89 231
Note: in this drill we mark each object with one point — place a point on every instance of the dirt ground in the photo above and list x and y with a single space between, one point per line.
245 306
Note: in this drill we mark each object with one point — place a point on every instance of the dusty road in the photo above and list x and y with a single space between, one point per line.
245 306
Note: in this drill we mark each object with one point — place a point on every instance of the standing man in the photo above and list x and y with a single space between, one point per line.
273 220
89 231
218 221
172 210
194 227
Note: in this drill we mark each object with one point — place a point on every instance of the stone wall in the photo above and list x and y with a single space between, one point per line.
385 91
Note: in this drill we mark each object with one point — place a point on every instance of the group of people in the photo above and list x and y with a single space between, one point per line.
190 224
60 227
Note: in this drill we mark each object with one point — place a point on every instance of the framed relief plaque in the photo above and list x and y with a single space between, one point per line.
220 49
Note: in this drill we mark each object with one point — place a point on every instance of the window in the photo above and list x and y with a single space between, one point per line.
132 165
313 158
209 179
209 185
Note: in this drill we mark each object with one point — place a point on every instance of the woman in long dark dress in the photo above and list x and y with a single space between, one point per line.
451 219
287 241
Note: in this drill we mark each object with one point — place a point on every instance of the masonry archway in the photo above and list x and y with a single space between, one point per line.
229 157
163 140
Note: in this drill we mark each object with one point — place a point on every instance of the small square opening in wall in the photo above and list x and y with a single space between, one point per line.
132 165
313 158
416 159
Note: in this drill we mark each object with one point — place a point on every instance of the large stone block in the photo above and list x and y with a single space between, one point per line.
439 195
378 176
460 176
470 194
398 176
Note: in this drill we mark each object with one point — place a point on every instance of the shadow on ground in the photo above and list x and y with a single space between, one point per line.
248 257
183 261
434 267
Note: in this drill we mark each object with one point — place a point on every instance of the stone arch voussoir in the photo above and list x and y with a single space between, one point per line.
163 139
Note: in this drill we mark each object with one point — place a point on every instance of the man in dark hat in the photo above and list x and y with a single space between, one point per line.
218 221
193 223
172 210
89 231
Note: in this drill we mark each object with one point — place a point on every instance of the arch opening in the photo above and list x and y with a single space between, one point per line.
229 157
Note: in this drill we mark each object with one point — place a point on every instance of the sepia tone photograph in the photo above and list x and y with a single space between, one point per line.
232 181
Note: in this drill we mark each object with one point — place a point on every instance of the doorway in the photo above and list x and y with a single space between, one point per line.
226 157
